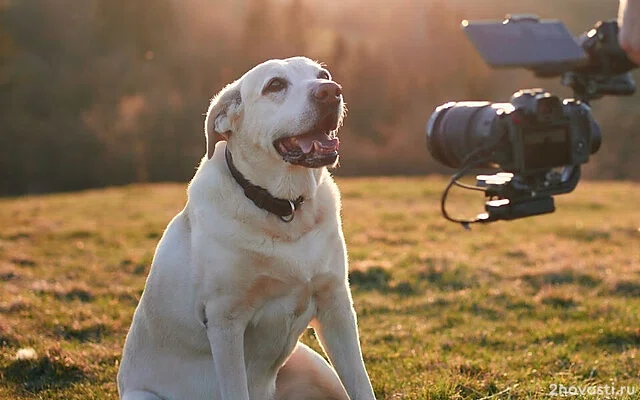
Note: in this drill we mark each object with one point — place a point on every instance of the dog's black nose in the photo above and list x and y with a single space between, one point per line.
327 93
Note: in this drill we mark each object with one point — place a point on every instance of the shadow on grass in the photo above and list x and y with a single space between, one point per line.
583 235
620 340
8 340
449 278
22 261
64 291
79 234
558 301
626 288
43 373
562 277
378 278
91 333
487 312
552 338
83 295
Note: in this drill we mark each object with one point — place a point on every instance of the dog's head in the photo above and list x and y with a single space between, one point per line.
289 108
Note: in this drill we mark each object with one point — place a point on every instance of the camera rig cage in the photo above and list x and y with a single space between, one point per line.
592 65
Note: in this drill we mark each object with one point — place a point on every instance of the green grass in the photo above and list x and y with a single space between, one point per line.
503 310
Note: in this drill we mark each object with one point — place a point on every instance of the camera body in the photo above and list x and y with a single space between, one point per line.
534 131
546 132
537 140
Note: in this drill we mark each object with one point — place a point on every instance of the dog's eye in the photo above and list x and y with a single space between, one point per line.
275 85
324 75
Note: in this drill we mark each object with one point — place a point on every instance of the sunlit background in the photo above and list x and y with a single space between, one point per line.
105 92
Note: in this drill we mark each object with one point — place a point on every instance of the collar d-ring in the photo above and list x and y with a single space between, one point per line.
289 218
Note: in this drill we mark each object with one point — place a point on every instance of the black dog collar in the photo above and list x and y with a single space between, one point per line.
285 209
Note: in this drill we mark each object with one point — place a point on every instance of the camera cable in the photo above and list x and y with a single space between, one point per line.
474 159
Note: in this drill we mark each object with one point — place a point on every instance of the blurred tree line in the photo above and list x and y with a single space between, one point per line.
106 92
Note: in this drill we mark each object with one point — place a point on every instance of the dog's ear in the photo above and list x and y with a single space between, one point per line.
223 115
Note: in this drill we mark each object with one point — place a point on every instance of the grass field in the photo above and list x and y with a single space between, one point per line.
503 311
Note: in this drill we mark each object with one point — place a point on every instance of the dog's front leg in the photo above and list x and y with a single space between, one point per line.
337 330
226 338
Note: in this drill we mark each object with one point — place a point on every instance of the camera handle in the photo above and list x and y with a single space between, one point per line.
607 69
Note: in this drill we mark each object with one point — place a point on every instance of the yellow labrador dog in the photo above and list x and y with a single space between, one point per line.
256 256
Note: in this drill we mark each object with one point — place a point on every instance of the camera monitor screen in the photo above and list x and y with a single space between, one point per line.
527 42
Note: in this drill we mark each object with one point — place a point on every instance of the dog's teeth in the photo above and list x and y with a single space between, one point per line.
305 145
316 145
283 148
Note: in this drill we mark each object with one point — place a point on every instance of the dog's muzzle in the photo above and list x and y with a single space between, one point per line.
317 147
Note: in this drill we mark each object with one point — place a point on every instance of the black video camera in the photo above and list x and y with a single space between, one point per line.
537 140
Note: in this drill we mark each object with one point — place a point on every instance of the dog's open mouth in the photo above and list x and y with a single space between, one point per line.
313 149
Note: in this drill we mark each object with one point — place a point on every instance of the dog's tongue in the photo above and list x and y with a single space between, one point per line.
323 140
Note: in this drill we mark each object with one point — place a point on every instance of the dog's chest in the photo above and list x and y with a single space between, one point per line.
279 286
282 311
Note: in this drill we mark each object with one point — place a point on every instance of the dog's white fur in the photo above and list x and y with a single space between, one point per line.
232 287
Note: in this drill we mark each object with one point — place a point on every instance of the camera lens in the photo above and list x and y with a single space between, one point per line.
456 129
